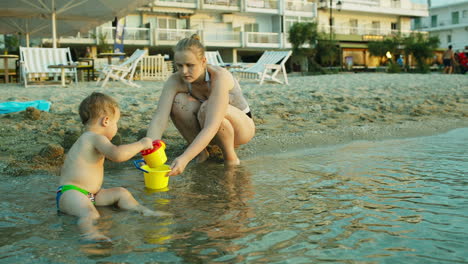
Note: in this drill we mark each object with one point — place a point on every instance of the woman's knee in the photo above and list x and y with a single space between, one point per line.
201 114
184 105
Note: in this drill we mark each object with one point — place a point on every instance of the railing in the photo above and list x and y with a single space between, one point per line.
177 1
269 4
221 2
220 36
130 33
299 6
173 34
136 33
346 30
263 38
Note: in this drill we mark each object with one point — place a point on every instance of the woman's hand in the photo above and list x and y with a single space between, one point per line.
178 166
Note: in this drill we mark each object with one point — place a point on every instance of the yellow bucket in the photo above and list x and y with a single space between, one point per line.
156 156
155 178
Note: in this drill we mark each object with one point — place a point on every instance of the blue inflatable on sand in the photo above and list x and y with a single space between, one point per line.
9 107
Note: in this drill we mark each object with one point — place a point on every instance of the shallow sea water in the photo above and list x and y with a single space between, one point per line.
392 201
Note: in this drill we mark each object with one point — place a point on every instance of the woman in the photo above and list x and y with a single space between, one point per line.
206 105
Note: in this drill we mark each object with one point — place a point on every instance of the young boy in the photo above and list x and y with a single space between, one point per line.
82 173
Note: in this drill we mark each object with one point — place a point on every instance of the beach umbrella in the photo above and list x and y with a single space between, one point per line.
38 25
82 15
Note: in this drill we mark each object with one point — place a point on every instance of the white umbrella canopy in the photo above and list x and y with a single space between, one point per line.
81 14
38 26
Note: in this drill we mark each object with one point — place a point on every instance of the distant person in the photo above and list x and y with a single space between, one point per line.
449 59
400 61
206 105
88 53
82 173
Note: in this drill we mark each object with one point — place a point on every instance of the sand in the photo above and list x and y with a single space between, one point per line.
311 111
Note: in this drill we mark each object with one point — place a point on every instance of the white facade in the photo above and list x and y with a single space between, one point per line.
449 23
370 17
245 27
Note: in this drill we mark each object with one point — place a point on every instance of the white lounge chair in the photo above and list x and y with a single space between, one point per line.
214 58
35 64
123 72
270 64
154 68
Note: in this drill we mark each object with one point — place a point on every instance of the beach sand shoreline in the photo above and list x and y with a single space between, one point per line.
312 111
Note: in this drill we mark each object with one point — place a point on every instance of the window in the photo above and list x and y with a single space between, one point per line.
449 38
353 24
465 14
455 17
434 21
251 27
417 23
375 27
394 26
290 20
171 23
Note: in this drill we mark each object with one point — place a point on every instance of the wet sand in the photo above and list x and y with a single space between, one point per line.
311 111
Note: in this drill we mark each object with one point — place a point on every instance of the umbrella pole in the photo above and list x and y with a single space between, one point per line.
54 31
54 26
27 39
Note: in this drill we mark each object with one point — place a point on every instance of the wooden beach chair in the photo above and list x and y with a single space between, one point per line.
35 62
123 72
270 64
154 68
214 58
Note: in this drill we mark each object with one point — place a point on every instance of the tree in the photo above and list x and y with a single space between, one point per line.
301 34
327 51
422 48
380 48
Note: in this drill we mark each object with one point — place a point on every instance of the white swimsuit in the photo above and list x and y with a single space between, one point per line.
236 98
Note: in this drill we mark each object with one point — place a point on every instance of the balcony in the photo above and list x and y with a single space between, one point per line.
176 3
222 39
445 24
300 8
167 37
364 32
406 8
262 40
132 35
223 5
262 6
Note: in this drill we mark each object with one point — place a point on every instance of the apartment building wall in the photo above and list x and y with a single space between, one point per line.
448 22
251 28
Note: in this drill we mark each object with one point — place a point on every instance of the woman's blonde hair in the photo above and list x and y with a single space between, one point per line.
193 44
96 105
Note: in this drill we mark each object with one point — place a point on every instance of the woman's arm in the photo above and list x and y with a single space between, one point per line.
216 108
160 118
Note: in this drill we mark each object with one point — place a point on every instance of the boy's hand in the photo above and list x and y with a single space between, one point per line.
147 143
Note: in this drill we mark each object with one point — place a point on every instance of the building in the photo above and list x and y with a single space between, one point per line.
449 22
356 22
242 29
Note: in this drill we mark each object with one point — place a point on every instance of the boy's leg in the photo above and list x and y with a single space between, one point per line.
73 202
123 199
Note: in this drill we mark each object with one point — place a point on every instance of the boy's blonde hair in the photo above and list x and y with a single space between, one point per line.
96 105
193 44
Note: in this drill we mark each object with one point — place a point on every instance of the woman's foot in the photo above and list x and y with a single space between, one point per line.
230 163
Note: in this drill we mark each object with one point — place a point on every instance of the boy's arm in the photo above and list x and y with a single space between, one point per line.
123 152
